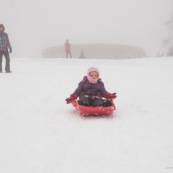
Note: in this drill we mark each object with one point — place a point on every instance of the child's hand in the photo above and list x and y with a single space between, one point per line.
71 98
110 96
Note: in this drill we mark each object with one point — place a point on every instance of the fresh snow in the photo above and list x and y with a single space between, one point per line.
40 133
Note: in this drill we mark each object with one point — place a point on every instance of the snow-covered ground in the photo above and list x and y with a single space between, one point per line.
40 133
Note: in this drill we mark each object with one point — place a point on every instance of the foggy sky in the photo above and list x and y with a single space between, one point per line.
34 25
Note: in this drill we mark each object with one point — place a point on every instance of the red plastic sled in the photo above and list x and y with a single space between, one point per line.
96 111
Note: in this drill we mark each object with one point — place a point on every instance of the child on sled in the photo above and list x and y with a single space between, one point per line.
91 91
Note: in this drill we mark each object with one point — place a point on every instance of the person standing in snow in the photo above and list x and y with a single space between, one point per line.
82 55
67 49
91 91
4 46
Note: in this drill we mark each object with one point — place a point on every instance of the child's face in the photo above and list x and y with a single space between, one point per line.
94 75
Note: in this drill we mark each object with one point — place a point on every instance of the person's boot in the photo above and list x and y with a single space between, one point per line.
107 103
83 102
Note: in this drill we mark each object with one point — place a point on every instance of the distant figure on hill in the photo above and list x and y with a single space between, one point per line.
4 46
67 49
82 55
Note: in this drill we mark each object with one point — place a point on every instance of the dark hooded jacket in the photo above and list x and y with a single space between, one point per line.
4 41
85 88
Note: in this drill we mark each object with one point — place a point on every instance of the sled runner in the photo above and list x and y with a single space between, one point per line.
95 111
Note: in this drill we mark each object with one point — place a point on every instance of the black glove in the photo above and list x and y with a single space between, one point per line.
10 50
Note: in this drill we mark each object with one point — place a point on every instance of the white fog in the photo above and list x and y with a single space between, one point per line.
40 133
37 25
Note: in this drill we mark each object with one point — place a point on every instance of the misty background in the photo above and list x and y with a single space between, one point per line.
34 26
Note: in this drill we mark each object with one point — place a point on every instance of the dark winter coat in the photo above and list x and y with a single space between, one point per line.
85 88
4 42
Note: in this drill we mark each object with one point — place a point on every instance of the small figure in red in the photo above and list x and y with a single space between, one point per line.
67 49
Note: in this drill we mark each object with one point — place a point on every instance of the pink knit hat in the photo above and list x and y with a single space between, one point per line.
91 69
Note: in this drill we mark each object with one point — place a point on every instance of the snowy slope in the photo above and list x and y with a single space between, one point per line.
40 133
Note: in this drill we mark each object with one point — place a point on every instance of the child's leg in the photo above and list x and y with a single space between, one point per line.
107 103
97 102
84 101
